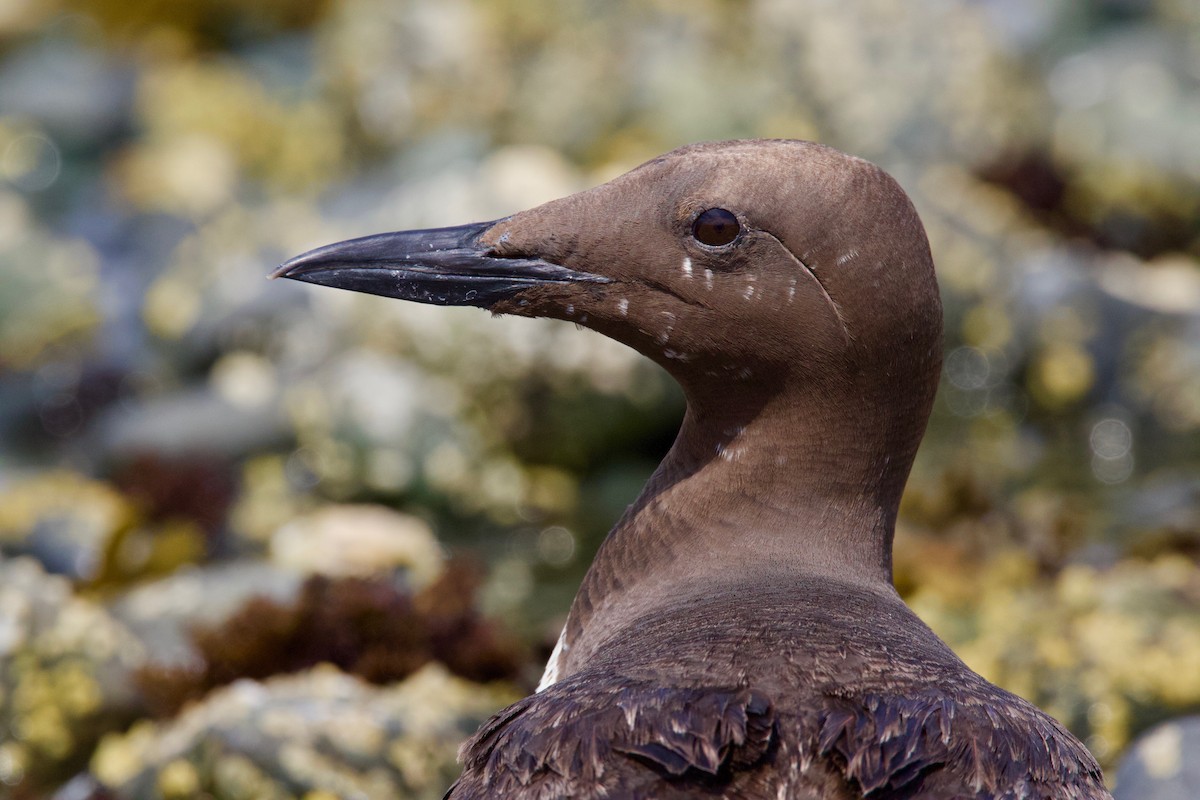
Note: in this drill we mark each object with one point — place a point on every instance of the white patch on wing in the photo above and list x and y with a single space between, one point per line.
550 676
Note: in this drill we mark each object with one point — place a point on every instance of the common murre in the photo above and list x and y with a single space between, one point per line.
738 634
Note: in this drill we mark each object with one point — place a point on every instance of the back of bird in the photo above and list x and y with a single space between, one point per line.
842 705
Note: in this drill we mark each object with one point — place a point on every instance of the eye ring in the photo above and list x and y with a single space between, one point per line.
716 227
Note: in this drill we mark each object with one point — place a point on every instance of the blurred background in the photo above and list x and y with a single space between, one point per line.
263 540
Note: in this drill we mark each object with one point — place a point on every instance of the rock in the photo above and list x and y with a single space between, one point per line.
190 422
320 731
1162 764
62 519
349 540
65 674
161 613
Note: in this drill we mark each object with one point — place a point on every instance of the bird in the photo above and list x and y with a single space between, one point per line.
738 634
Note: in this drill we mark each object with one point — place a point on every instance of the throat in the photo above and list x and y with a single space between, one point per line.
766 500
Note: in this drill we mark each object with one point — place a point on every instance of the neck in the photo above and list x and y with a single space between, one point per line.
769 487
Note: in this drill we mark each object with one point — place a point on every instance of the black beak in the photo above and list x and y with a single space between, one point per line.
443 266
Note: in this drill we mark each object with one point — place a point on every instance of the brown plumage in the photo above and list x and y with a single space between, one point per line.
855 697
738 635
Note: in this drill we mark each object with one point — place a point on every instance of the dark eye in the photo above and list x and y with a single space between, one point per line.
716 227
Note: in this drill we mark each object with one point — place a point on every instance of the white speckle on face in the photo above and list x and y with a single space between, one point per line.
687 267
550 676
583 318
729 453
780 460
665 335
570 309
708 279
623 306
847 257
676 355
726 450
792 290
748 292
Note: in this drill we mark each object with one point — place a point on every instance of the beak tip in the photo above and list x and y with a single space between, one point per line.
285 269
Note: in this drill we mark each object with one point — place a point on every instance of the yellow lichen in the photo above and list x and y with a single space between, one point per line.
119 757
1062 373
178 779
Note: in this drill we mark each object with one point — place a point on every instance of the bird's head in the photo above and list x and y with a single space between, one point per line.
738 266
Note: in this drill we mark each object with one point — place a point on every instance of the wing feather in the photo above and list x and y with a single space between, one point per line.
584 737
